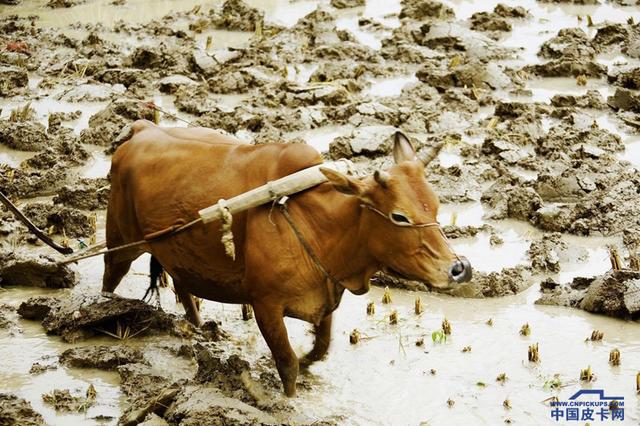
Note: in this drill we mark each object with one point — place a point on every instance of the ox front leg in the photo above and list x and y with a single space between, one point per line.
321 343
271 324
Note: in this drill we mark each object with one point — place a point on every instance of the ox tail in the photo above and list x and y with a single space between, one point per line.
155 273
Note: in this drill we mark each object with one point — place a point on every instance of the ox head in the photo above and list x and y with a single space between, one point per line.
400 220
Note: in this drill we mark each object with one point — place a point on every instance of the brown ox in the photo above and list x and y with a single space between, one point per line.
162 175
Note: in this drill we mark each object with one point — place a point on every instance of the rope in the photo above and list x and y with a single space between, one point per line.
416 225
167 232
285 212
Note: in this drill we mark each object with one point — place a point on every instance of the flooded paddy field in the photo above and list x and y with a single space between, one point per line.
535 107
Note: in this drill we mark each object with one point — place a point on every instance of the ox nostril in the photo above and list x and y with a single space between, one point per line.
460 271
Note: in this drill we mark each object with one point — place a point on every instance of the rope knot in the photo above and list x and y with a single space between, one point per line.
226 221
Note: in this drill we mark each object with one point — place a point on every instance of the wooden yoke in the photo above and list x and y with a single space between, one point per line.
296 182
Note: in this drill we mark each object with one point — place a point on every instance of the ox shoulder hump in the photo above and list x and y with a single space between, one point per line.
300 155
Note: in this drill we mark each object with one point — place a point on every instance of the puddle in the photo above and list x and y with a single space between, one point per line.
397 375
12 157
449 158
632 152
222 39
300 73
321 138
547 19
44 107
102 11
390 86
543 89
98 165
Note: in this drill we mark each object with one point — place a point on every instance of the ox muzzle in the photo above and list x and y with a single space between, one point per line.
460 271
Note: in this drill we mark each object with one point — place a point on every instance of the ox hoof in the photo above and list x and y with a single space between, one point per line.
290 391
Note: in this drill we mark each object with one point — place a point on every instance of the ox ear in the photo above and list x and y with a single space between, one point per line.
342 183
402 148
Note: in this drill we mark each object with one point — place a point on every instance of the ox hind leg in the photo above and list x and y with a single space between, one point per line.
321 343
188 302
271 323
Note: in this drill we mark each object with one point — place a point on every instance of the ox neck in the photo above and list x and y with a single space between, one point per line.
335 232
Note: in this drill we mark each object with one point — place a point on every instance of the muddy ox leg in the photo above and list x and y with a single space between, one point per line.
321 342
271 324
191 310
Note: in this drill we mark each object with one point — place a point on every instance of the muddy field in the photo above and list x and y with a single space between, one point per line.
536 104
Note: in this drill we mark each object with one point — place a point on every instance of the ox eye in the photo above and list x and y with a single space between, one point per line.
400 219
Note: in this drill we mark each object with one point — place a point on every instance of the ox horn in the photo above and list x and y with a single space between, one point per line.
431 154
382 178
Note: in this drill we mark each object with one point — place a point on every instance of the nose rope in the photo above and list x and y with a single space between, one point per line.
417 225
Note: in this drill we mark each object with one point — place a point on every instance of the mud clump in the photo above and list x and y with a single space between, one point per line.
85 194
470 74
344 4
420 9
616 294
152 419
8 317
511 200
22 183
454 231
172 83
14 410
23 135
571 139
61 220
37 368
105 126
545 253
138 381
62 400
498 19
510 12
592 99
384 280
567 67
609 208
224 374
624 99
64 149
12 78
58 4
103 357
369 141
237 15
627 79
37 308
81 317
568 43
197 405
507 282
30 270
